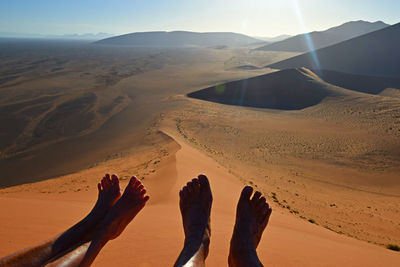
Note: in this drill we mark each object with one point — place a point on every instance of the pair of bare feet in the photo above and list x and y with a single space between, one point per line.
252 215
114 212
80 244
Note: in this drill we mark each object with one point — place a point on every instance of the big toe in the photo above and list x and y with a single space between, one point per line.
132 184
203 180
246 193
204 183
114 179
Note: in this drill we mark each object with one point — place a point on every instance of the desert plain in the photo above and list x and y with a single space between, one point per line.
327 160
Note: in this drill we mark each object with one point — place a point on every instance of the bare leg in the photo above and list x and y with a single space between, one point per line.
109 193
116 220
195 205
252 217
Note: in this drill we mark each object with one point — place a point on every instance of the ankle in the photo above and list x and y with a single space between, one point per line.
198 232
243 257
195 240
238 248
242 241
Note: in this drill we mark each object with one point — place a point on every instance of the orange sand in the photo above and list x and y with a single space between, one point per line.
155 237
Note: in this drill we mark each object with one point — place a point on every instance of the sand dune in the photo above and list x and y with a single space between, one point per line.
391 92
319 39
329 155
45 120
341 152
361 83
288 241
287 90
124 99
247 67
375 53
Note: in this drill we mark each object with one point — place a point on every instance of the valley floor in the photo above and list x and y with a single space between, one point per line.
73 113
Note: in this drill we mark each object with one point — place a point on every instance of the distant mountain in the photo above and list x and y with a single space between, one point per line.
320 39
20 35
274 39
85 36
180 39
376 53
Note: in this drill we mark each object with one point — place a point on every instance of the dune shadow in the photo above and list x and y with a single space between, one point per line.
360 83
290 89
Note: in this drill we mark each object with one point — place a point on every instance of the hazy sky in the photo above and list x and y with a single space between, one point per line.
252 17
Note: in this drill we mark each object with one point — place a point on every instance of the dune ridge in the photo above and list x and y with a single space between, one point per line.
319 39
374 53
360 83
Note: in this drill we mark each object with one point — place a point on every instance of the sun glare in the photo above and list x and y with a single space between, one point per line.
308 39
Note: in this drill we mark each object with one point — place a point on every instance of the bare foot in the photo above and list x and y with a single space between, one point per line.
126 208
118 217
195 205
252 217
109 193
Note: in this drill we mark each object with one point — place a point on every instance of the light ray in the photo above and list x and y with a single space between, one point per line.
309 41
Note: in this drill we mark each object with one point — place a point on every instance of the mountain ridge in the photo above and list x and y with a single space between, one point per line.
180 39
319 39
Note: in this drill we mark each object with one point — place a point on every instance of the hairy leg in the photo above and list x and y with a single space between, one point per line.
116 220
195 205
252 217
109 192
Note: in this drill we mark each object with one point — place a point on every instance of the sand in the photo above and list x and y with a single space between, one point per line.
156 235
335 162
103 92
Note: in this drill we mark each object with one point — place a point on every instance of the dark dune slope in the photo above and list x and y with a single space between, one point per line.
320 39
290 89
376 53
361 83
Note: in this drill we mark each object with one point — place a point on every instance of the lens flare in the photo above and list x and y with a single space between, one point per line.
308 39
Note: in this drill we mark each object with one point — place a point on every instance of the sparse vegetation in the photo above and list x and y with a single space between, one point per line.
275 199
311 220
393 247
